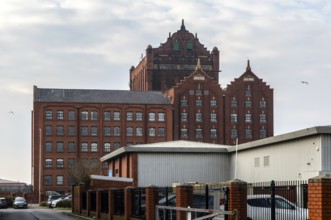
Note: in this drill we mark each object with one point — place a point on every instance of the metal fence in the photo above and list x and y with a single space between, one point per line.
138 203
119 202
104 201
16 189
207 199
279 200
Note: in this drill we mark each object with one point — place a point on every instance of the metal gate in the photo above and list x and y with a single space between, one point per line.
177 213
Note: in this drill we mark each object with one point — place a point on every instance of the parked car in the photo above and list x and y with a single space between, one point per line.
20 202
54 202
52 198
3 203
259 208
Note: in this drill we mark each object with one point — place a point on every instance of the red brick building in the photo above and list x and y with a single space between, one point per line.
203 111
175 95
164 66
71 126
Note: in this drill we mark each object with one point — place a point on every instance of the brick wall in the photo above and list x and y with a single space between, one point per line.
237 198
319 197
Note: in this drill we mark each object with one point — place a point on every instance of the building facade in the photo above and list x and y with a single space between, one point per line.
72 127
163 67
203 111
174 95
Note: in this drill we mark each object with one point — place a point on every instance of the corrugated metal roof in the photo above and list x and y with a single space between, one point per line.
99 96
283 137
169 147
181 144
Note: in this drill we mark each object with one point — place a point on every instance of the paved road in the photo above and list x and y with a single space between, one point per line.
35 213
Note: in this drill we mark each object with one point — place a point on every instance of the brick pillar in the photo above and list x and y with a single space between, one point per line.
319 197
127 202
237 198
151 202
184 197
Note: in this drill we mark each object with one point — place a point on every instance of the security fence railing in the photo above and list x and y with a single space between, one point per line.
279 200
119 202
16 189
138 203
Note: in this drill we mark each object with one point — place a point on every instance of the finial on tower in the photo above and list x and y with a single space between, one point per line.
183 26
198 65
248 68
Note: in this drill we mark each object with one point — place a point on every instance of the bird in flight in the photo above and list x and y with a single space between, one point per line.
304 82
11 112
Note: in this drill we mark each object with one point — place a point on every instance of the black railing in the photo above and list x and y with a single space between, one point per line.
139 203
104 201
93 201
84 200
119 202
284 200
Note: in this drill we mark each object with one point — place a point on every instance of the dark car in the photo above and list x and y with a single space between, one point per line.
20 202
52 198
3 203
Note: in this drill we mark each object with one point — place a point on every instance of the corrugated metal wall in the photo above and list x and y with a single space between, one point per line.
326 153
163 169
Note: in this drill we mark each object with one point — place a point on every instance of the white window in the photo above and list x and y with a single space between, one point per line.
106 116
152 132
248 118
94 147
84 115
161 116
129 131
84 147
60 115
234 117
266 161
59 163
139 131
117 116
139 116
106 147
198 117
59 180
117 131
94 115
48 163
48 115
151 116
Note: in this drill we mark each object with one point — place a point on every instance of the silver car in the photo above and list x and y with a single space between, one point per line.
259 208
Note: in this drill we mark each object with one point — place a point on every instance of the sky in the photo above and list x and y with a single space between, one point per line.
92 45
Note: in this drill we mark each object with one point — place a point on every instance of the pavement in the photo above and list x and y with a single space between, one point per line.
65 211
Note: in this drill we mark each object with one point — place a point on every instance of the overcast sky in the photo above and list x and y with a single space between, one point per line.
92 44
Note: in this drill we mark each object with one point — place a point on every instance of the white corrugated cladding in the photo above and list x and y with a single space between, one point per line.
326 153
163 169
295 159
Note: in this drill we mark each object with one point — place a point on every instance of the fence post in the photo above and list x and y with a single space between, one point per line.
184 197
273 208
151 202
128 202
237 198
319 197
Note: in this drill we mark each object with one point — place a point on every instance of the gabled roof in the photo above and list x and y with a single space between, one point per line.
168 147
99 96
